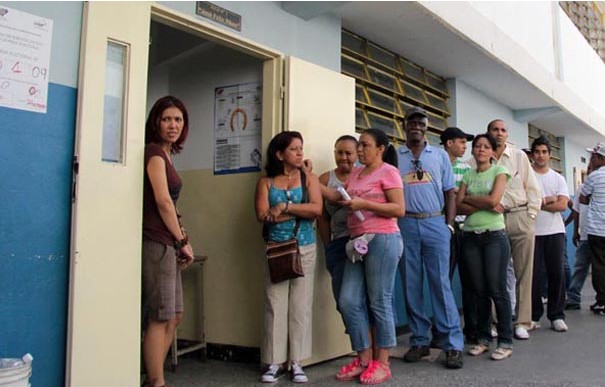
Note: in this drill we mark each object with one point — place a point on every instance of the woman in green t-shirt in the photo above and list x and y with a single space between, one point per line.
485 246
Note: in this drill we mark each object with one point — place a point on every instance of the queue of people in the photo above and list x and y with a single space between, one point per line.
417 209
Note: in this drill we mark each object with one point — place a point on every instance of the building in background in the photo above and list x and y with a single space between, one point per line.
70 214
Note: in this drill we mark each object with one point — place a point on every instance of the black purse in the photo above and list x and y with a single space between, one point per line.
284 258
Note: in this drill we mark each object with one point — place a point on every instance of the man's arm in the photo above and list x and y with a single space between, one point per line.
450 206
531 185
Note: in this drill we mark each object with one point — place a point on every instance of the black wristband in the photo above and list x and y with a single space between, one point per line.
180 244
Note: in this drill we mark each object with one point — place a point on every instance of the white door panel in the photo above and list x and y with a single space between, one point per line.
320 104
103 347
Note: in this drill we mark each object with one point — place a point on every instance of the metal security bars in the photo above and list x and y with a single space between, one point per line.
388 84
556 154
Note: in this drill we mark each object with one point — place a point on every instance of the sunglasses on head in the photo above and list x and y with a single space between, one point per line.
418 168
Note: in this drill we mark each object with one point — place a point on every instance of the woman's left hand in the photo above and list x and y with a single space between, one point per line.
354 204
185 256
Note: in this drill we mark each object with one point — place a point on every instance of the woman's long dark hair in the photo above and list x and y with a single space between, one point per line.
152 126
390 154
279 143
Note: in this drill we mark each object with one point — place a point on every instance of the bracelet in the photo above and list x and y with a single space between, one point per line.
452 229
287 206
180 244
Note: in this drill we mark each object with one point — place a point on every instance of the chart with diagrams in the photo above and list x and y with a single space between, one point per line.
237 128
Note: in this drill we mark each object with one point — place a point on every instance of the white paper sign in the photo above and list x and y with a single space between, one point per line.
25 42
237 128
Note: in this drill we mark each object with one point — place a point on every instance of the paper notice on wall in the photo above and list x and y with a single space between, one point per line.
237 128
25 42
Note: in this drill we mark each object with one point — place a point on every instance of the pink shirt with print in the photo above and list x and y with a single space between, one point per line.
372 187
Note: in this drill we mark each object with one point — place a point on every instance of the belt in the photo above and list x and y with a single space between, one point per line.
423 215
479 232
516 209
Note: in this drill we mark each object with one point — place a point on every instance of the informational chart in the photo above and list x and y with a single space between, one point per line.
237 128
25 43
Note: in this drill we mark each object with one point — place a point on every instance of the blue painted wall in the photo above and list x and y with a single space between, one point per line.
35 217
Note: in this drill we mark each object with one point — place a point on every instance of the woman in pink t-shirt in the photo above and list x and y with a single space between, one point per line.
376 191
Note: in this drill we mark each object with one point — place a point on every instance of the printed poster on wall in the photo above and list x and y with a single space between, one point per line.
25 42
237 128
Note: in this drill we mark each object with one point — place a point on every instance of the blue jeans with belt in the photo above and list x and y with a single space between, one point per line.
367 287
427 247
485 259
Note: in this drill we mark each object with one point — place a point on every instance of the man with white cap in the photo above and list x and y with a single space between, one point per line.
593 194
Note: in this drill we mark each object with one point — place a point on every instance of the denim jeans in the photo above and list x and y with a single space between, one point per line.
367 287
336 257
427 247
580 272
486 258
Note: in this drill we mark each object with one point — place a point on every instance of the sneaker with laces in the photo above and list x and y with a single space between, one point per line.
453 359
521 333
272 374
298 375
351 371
376 373
559 325
415 353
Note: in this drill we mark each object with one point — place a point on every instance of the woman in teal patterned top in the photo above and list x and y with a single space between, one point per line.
485 246
288 304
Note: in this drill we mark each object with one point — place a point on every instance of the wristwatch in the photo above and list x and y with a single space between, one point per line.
451 228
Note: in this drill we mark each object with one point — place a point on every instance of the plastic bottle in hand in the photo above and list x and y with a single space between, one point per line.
345 195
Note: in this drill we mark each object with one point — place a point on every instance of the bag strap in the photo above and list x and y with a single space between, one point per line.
305 199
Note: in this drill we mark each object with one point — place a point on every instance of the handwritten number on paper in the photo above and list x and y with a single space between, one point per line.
16 68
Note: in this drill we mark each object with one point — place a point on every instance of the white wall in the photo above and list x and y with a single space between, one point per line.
573 154
529 23
583 70
265 22
472 111
65 49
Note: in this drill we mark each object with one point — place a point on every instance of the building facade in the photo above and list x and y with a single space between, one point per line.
70 218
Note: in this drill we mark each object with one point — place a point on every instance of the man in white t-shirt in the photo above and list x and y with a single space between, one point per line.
580 240
549 251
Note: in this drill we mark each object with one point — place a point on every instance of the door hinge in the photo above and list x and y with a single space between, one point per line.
75 168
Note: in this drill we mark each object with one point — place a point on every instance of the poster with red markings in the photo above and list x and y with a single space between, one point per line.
237 128
25 42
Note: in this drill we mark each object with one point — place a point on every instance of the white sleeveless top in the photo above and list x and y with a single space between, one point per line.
338 214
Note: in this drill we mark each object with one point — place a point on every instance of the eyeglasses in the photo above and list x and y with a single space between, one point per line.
417 164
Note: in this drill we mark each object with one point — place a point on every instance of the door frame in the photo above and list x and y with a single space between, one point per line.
273 62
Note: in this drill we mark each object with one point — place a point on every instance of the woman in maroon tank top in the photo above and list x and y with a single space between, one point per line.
166 247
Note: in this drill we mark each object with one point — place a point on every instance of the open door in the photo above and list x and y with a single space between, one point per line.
320 104
103 347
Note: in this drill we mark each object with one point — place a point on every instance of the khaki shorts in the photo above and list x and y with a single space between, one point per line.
162 286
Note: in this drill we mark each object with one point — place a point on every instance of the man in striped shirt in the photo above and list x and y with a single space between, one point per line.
593 194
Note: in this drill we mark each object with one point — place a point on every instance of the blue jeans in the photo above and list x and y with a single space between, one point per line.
486 258
336 257
580 272
367 287
427 246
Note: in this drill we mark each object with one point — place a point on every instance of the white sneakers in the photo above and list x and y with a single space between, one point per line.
559 325
298 375
521 333
534 325
272 374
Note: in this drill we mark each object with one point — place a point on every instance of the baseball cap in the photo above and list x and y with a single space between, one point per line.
598 149
454 132
415 111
